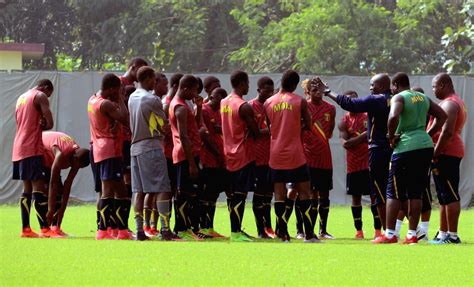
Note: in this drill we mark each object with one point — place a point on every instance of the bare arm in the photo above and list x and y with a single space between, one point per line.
440 118
305 115
182 121
247 115
54 186
198 101
332 122
117 113
396 109
451 109
42 104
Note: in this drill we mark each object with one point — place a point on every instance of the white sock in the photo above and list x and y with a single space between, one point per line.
398 226
411 233
442 235
424 225
453 235
389 233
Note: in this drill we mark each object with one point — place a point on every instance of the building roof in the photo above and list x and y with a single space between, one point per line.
29 50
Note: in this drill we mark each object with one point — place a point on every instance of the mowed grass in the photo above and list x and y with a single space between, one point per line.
81 260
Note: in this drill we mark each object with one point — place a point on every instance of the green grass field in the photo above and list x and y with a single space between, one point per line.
81 260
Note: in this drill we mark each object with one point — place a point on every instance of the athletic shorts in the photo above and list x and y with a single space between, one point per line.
171 171
427 198
214 181
243 180
446 177
149 172
110 169
299 174
379 162
407 176
184 182
358 183
263 180
321 179
126 155
95 172
30 168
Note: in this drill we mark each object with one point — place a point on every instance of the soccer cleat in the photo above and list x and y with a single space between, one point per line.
168 235
112 232
285 238
447 240
312 239
359 235
299 235
421 234
203 234
269 231
410 240
27 232
378 233
215 234
45 232
325 235
141 236
154 231
239 237
189 235
149 232
103 234
124 235
56 232
246 234
263 235
385 240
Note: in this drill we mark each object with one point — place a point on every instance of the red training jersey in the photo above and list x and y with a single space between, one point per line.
28 137
262 143
168 140
192 130
66 145
316 140
455 146
212 121
237 147
104 133
357 156
284 112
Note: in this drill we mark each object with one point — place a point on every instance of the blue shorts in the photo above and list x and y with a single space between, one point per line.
358 183
446 177
110 169
243 180
95 172
321 179
30 168
263 184
296 175
379 163
408 172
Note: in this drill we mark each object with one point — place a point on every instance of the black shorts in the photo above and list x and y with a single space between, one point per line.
110 169
214 181
263 180
408 172
126 156
358 183
30 168
243 180
95 172
446 177
321 179
184 183
427 198
379 163
296 175
171 171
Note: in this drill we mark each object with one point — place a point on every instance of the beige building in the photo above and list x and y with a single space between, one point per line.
12 54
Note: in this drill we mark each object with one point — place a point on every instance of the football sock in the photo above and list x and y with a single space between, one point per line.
314 211
267 210
306 210
204 214
121 213
411 233
40 201
164 212
147 217
424 226
398 226
237 207
442 235
323 213
193 213
57 207
105 207
212 213
154 217
129 202
139 221
299 216
179 214
257 207
390 233
288 209
453 235
25 207
281 222
357 215
113 220
375 214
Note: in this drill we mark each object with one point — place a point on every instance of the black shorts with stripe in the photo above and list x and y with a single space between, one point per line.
445 173
321 179
358 183
379 162
408 173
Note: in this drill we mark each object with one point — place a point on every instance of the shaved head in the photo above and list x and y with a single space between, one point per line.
442 85
380 84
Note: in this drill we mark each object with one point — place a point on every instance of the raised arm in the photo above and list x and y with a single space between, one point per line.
116 111
305 115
